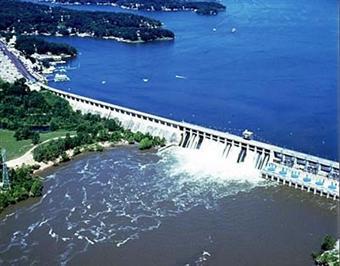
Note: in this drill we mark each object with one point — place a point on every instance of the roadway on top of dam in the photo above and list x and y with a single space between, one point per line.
184 126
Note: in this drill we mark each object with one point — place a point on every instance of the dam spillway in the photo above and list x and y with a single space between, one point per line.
299 170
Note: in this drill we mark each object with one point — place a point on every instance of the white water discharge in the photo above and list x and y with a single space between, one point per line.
209 162
115 196
249 161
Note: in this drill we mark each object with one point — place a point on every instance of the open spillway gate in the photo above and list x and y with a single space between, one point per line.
296 169
225 148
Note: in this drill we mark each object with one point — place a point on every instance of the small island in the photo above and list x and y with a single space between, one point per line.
199 7
24 18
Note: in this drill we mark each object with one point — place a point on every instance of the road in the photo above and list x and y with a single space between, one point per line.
18 64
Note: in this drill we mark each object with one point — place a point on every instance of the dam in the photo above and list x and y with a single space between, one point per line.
298 170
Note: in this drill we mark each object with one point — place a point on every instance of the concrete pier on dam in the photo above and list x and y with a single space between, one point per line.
299 170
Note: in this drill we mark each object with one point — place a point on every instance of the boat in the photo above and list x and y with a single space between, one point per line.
233 30
60 77
145 80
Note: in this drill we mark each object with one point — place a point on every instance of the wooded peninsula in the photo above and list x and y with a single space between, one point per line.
23 18
199 7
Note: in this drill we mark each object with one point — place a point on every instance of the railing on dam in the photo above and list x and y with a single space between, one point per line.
192 135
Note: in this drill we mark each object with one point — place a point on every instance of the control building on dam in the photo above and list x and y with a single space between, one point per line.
299 170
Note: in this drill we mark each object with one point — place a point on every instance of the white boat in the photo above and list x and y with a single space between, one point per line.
145 80
233 30
60 77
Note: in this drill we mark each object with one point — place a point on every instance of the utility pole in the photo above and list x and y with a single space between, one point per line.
5 177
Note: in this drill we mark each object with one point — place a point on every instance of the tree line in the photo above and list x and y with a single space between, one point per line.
23 185
200 7
30 18
26 112
31 44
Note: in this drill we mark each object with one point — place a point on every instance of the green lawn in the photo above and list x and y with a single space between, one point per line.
16 148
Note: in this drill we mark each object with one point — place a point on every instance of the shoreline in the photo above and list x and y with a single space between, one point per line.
91 35
164 8
28 160
11 69
48 168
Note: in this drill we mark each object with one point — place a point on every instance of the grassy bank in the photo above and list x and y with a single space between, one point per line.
16 148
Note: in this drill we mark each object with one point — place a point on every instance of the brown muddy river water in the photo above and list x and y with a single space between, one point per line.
126 207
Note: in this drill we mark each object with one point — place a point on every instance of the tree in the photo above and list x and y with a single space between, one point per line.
145 144
23 133
131 140
36 189
103 135
54 124
35 138
69 143
64 157
138 136
112 125
328 243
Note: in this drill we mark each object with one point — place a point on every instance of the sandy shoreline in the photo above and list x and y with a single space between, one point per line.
28 160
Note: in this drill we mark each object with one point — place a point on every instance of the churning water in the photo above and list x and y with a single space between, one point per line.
117 198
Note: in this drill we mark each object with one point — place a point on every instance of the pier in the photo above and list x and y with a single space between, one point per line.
298 170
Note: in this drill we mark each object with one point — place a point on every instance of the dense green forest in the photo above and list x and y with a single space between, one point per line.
30 18
31 44
200 7
26 112
23 185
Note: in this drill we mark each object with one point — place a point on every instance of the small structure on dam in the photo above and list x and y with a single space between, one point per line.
299 170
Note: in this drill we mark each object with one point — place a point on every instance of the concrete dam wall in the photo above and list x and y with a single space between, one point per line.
300 170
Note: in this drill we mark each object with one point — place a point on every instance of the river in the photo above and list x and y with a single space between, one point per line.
275 75
127 207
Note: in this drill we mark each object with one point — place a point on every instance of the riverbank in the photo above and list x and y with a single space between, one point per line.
39 169
28 160
122 201
329 254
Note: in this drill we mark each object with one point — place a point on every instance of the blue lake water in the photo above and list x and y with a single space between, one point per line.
276 75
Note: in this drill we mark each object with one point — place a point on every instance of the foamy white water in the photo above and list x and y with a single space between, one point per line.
207 163
115 196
